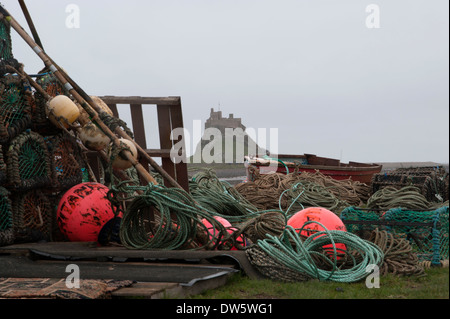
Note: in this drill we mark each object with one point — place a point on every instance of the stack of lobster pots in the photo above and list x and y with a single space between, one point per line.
39 157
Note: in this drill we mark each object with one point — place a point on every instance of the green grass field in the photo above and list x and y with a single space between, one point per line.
434 285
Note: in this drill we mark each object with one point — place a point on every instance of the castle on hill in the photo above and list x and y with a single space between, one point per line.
231 146
216 120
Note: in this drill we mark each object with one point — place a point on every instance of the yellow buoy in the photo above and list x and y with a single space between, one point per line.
93 137
120 162
63 108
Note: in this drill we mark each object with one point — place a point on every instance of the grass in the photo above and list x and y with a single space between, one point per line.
434 285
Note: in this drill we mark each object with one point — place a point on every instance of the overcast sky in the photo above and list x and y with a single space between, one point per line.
311 68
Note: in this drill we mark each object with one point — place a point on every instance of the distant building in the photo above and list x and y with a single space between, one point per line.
216 120
231 146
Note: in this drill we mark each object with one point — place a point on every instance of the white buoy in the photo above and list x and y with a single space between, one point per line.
120 162
93 137
62 107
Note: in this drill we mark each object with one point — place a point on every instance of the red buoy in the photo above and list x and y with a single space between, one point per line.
214 232
318 214
83 211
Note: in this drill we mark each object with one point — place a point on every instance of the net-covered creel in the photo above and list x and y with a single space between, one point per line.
6 224
50 84
432 181
6 54
28 162
427 231
32 216
66 161
15 110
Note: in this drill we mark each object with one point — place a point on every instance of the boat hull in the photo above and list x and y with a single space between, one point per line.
360 172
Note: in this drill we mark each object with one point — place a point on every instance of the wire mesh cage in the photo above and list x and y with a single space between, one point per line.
32 216
66 161
50 84
3 170
6 224
5 40
28 162
433 182
15 110
427 231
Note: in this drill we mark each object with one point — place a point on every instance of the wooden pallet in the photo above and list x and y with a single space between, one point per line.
155 274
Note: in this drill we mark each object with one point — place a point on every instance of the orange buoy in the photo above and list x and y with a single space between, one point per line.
83 211
318 214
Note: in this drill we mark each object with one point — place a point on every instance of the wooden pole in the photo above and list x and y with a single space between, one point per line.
92 113
33 30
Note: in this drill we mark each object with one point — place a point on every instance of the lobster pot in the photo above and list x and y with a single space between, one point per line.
6 224
427 231
32 216
50 84
15 109
5 43
66 161
28 162
3 171
433 182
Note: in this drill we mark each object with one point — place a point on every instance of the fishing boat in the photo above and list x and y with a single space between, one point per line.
286 164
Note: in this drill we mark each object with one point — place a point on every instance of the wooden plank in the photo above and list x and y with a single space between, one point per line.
146 290
165 130
137 117
113 108
163 101
159 153
180 168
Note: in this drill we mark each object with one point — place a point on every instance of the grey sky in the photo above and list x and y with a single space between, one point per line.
312 69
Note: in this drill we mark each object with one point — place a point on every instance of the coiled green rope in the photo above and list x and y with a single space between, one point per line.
300 256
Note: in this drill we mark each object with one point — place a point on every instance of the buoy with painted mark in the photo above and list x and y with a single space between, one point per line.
93 137
62 107
120 162
318 214
83 211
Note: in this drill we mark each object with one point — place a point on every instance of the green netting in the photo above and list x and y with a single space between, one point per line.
2 167
427 231
32 216
5 210
28 162
15 107
66 161
6 223
50 84
5 41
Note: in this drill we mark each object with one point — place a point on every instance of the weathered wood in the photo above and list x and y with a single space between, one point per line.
165 130
137 117
180 168
163 101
